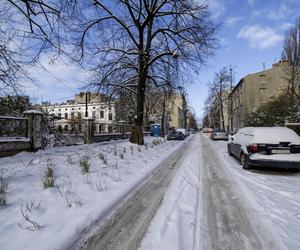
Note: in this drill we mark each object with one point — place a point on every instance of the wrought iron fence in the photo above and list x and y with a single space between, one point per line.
13 126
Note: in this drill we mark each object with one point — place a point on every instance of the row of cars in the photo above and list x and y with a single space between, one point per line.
179 134
264 146
216 134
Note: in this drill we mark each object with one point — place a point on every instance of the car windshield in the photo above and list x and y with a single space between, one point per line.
219 130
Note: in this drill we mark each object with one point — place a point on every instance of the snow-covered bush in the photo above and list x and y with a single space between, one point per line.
3 189
84 164
48 178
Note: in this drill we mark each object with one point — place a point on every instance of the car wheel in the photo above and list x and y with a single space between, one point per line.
244 163
229 150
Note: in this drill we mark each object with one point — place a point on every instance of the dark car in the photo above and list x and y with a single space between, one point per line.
266 147
219 134
175 135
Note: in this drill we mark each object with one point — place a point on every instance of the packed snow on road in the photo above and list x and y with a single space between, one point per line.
213 203
54 218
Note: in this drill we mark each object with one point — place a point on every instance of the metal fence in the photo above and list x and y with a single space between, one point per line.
13 126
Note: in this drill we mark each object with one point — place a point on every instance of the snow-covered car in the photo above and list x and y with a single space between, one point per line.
266 146
219 134
183 131
175 135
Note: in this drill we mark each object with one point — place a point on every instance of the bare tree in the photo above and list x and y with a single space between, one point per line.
27 27
291 53
217 96
133 41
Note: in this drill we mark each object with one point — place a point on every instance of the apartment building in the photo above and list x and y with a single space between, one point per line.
177 109
253 90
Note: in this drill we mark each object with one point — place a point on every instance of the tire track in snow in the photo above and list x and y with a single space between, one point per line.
230 223
127 227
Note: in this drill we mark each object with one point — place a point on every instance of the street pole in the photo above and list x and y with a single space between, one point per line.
231 103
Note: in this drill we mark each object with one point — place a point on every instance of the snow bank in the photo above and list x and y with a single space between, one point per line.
77 200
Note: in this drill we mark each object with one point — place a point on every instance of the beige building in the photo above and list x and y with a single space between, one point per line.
177 109
253 90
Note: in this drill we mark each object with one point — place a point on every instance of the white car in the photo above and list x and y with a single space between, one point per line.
266 146
183 131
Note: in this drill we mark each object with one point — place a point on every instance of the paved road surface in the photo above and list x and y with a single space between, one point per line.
227 222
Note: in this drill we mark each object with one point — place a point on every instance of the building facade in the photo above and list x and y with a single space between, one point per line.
69 115
254 90
177 109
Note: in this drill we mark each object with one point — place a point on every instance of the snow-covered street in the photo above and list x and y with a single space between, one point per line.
214 204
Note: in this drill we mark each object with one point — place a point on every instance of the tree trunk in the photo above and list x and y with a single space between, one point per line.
137 131
162 129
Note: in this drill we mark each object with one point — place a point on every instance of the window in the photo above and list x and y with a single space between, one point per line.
262 94
58 109
79 108
66 115
80 128
72 115
110 116
101 114
94 114
72 108
66 109
79 115
66 127
94 107
59 114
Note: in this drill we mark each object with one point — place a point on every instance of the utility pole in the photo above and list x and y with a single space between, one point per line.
86 102
231 101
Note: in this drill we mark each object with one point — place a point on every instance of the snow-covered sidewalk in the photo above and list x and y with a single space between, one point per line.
53 218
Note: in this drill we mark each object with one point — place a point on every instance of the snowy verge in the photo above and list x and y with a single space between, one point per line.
54 218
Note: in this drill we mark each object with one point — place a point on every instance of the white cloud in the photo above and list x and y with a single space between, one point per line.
285 26
260 37
54 80
233 20
283 11
217 7
251 2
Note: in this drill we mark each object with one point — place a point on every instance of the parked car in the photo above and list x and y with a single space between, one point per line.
266 146
207 131
219 134
175 135
183 131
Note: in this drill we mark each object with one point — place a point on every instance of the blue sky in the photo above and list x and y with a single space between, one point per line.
251 34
